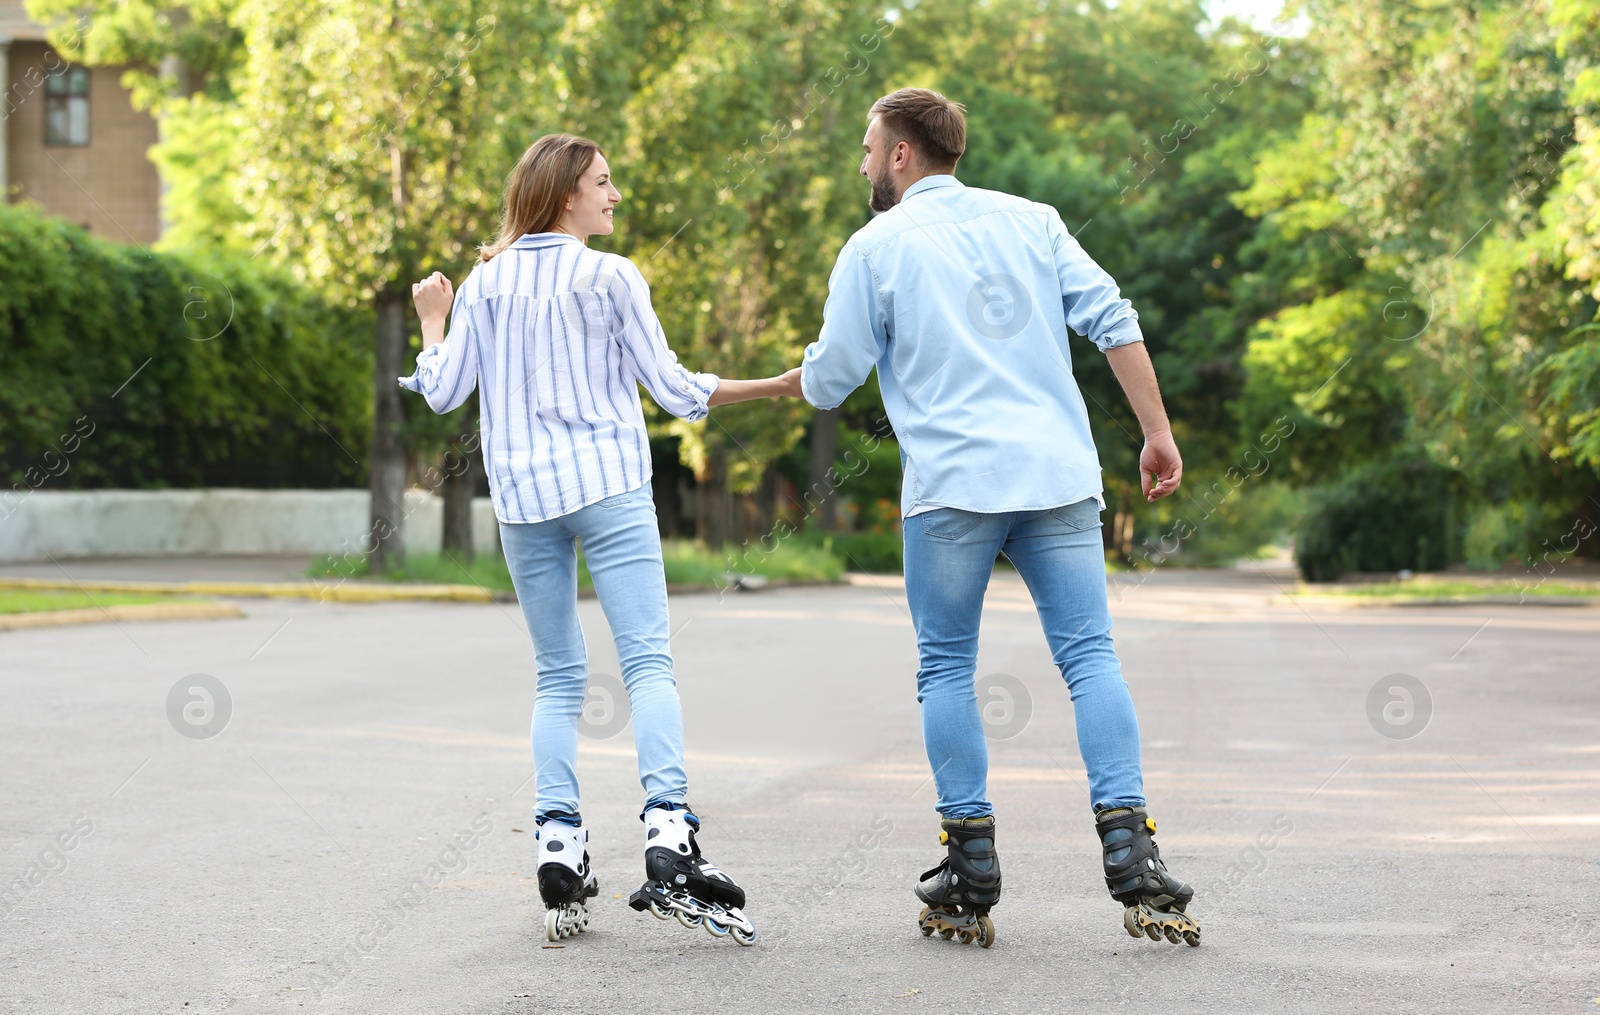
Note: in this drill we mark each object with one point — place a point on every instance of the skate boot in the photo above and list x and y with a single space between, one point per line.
565 881
1154 900
682 884
961 889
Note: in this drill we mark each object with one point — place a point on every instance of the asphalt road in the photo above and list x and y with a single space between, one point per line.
357 836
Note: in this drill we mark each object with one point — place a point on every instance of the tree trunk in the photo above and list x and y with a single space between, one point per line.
820 499
463 465
714 506
388 478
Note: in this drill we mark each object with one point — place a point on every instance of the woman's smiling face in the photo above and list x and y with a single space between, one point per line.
589 209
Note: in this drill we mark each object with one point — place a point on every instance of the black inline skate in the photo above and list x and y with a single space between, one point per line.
681 883
1154 900
961 889
566 884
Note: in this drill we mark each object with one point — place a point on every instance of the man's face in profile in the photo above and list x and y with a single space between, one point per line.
875 167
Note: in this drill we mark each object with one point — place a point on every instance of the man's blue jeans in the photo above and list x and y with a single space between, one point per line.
949 557
622 547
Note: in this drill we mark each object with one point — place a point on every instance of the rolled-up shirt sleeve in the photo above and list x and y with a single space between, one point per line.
447 372
854 333
1094 305
674 387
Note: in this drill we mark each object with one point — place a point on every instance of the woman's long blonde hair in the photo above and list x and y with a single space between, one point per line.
538 188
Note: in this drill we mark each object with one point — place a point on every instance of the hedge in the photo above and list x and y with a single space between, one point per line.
1389 515
120 367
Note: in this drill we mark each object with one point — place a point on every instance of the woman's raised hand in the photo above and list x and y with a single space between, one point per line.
433 297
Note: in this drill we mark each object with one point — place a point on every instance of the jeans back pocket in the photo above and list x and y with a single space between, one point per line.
949 523
1085 514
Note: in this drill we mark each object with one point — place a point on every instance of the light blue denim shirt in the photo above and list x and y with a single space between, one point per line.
961 298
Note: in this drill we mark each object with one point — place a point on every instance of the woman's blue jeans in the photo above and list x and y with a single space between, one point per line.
622 548
949 557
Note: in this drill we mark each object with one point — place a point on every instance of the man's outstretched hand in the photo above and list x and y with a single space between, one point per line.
1160 458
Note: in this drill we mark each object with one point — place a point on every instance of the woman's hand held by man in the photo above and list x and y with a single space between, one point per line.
729 390
789 384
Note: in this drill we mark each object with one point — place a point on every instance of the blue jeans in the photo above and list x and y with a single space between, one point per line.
623 550
949 557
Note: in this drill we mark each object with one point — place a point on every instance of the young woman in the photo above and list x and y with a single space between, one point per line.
557 339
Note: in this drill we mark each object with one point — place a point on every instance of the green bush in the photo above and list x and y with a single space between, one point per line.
1385 516
873 552
1217 527
1499 534
171 370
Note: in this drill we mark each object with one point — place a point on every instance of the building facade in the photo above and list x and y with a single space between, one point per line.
70 139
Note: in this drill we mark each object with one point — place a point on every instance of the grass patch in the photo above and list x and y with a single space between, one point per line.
790 558
488 571
44 601
1447 589
686 563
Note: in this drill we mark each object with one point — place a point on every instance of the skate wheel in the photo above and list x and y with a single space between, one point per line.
927 932
1130 922
716 929
948 933
1153 932
583 921
659 911
688 920
552 924
1192 938
1173 935
985 931
964 936
745 938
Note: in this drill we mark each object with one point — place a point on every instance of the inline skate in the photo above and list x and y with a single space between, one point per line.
566 883
959 891
682 884
1154 901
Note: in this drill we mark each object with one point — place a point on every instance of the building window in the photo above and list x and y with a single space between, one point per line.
66 106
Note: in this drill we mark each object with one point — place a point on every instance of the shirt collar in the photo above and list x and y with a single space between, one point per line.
932 183
533 241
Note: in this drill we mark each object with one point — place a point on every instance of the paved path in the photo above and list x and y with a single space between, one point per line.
303 857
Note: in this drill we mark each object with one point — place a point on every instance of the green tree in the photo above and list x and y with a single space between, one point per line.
366 129
736 148
1440 134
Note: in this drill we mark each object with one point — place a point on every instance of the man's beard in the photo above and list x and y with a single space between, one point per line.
883 195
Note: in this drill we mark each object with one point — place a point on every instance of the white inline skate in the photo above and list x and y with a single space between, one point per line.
682 884
566 883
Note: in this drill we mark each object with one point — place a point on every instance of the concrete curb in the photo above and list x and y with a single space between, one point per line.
103 614
1360 602
356 591
346 592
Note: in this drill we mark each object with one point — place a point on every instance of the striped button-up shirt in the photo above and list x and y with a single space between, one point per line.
557 339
